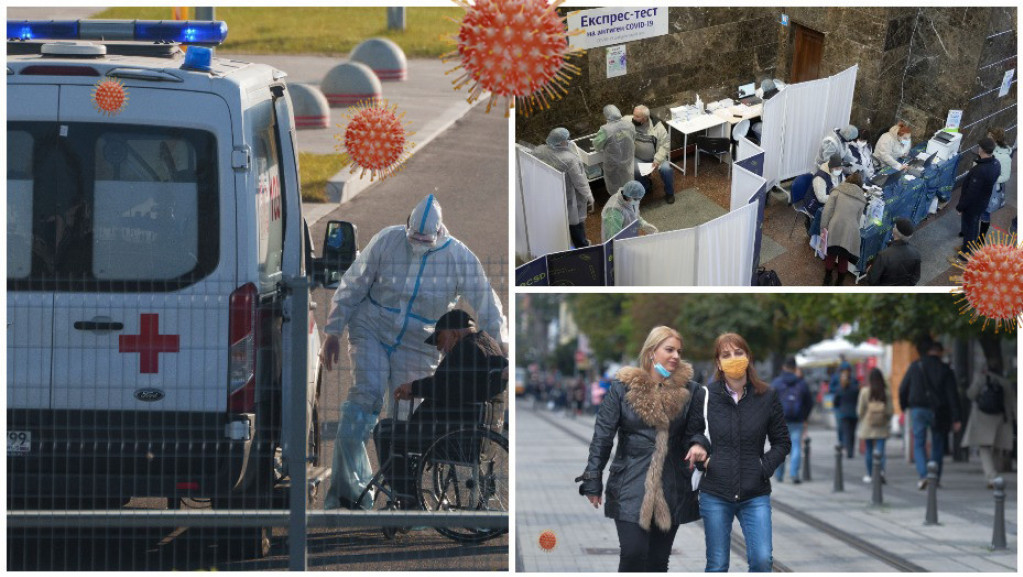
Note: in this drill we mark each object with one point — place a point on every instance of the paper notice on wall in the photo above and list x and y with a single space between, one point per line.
955 117
616 65
645 168
1006 82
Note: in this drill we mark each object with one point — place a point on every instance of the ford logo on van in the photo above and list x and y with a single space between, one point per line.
149 395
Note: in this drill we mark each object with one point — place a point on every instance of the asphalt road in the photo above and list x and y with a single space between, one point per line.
466 168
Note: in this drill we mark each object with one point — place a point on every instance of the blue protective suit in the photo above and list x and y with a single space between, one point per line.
390 300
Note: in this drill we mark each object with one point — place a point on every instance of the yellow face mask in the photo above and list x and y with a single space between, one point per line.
735 367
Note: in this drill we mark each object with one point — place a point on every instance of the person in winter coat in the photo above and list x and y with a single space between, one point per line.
827 177
899 264
653 145
976 193
742 411
991 432
841 218
617 139
621 209
847 390
893 146
561 154
647 493
874 409
928 394
796 402
1003 154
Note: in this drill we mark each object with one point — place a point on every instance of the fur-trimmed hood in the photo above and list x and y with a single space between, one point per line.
659 401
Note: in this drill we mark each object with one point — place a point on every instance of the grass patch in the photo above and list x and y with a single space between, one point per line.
314 170
328 31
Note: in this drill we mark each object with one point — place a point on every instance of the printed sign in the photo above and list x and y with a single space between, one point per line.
609 26
533 273
784 19
955 117
616 61
580 267
1006 82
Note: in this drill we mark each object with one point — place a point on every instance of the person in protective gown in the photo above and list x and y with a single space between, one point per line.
405 279
617 139
621 209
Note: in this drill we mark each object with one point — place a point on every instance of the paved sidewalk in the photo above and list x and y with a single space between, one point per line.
551 450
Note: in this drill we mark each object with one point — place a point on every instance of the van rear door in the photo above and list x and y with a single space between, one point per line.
144 276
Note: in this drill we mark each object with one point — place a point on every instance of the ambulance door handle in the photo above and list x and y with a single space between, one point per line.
99 324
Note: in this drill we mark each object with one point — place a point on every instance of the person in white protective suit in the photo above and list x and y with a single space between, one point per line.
561 153
623 208
837 142
617 139
405 279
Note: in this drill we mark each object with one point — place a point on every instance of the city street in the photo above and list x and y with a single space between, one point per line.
815 529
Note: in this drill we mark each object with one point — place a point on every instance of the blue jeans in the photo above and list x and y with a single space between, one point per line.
923 419
871 443
795 455
754 518
667 177
970 223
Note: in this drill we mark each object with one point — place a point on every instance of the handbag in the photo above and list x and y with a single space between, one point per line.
997 199
698 474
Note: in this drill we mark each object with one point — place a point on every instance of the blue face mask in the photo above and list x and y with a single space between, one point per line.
663 371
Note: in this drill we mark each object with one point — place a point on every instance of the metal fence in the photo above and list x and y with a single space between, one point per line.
100 478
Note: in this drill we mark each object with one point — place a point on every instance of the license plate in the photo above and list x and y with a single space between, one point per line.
19 442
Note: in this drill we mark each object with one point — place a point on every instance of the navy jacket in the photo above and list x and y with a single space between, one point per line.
977 187
782 382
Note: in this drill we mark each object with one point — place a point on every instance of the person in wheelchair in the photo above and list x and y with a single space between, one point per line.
452 399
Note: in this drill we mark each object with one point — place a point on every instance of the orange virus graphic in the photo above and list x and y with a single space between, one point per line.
992 281
376 139
548 540
514 49
110 97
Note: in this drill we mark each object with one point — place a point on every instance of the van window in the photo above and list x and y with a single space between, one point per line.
112 207
269 204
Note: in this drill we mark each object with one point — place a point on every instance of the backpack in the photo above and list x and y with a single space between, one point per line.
875 416
767 278
792 402
991 399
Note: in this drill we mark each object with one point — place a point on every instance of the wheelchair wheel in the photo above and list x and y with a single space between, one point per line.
465 470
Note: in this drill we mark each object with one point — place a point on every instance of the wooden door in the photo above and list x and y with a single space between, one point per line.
806 55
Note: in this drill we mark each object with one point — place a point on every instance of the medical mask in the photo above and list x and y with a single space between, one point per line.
420 248
905 141
663 371
735 367
636 122
634 204
836 172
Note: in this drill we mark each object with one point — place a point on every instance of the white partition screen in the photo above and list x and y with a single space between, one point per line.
772 135
726 248
665 259
840 98
540 191
744 185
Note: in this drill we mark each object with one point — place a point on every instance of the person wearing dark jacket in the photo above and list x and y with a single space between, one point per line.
796 402
899 264
928 394
976 192
846 398
451 396
743 411
647 493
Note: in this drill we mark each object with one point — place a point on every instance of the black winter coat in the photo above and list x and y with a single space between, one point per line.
739 469
897 265
977 187
627 411
930 384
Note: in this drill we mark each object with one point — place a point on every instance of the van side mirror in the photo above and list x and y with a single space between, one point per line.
340 248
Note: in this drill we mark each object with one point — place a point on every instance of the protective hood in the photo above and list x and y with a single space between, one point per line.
557 137
611 113
633 190
425 227
848 133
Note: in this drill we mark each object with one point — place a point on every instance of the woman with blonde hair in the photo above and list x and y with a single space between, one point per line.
742 411
647 493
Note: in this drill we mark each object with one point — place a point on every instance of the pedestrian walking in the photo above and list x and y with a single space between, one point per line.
993 412
928 393
796 404
647 493
845 399
875 409
742 412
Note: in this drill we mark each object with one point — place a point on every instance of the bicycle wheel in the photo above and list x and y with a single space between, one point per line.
465 470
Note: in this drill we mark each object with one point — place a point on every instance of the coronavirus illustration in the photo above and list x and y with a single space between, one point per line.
992 281
375 140
516 49
548 540
109 96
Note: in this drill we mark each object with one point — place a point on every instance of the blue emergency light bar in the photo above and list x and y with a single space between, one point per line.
202 32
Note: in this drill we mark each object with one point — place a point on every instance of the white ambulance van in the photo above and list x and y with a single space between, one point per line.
150 227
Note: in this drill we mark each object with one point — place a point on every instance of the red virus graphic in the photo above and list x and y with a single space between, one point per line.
110 97
376 140
992 281
548 540
516 49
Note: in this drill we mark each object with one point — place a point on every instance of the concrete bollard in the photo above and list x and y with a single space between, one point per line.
384 57
875 478
310 106
396 19
806 459
931 517
350 83
998 538
839 484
